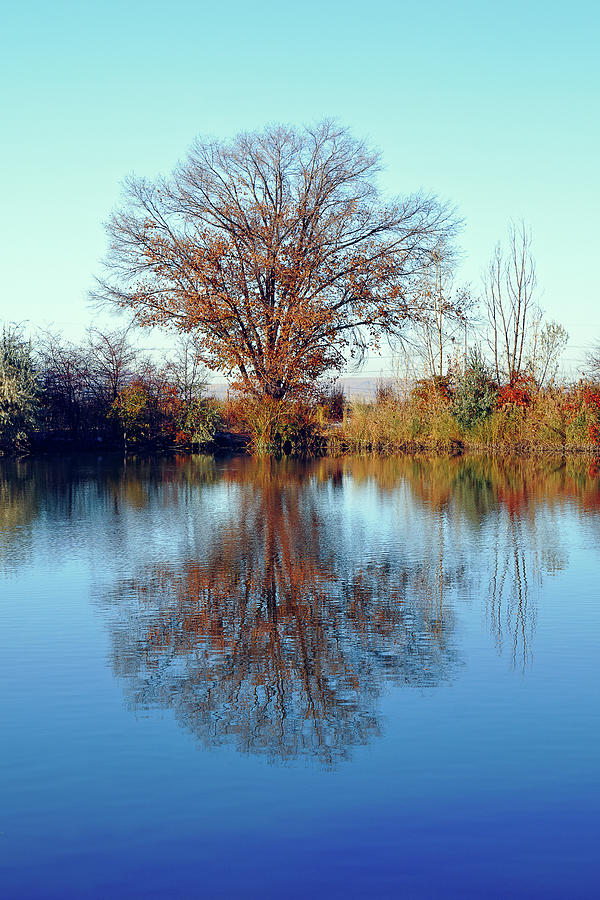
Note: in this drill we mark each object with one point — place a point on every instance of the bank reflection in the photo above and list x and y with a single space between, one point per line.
505 518
274 640
269 604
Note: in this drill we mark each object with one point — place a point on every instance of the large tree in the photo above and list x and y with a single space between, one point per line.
277 250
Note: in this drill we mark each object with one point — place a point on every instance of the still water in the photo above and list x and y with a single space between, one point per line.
355 678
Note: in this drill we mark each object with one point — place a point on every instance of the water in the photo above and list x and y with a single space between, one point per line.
357 678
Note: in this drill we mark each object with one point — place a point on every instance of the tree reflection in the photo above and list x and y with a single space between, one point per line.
19 506
274 639
510 609
289 594
514 506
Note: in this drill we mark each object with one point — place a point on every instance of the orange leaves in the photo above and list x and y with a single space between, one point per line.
516 393
584 403
279 254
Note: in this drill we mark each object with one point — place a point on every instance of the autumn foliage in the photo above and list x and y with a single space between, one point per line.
278 251
478 416
583 410
519 392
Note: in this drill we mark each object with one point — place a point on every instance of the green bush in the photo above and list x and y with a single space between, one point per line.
474 395
131 409
201 421
19 391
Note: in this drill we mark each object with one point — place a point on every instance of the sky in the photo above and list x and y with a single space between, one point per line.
492 106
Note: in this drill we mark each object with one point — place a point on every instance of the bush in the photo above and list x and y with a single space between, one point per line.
130 409
517 393
200 422
417 423
474 394
583 415
436 385
504 427
19 391
331 404
385 391
276 426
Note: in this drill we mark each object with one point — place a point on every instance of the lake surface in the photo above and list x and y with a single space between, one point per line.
345 678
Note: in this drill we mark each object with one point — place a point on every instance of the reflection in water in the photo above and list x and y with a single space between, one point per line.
268 604
273 639
513 505
509 607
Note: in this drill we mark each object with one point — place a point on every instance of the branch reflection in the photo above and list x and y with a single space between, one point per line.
268 604
274 639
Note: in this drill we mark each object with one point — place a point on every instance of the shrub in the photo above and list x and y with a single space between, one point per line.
504 427
583 415
130 409
416 423
385 392
547 419
474 394
436 385
518 393
332 403
278 425
19 391
200 421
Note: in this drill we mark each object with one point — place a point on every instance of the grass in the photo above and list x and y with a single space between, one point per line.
553 420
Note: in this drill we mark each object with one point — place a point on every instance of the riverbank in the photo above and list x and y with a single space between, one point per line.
553 421
332 446
426 420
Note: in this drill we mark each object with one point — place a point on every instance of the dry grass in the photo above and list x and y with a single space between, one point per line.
553 420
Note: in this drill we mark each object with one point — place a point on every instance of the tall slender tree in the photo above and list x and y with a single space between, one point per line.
509 283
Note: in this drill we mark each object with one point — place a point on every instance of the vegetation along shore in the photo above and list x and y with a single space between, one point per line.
274 261
105 394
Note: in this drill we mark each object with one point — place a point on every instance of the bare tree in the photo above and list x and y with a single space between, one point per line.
185 368
545 347
445 310
63 370
112 361
593 361
509 284
277 249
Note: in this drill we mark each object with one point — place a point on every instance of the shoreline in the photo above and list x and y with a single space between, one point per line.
231 444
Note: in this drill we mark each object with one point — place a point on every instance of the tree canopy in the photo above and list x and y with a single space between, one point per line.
277 250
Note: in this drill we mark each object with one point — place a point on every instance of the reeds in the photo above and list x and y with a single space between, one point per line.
552 420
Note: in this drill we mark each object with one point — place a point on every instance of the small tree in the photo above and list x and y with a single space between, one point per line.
64 382
19 390
201 421
548 340
446 311
509 285
111 362
185 370
474 394
130 409
593 362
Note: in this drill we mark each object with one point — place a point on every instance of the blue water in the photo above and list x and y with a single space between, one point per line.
356 678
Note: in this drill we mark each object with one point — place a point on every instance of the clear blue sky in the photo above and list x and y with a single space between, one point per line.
491 105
